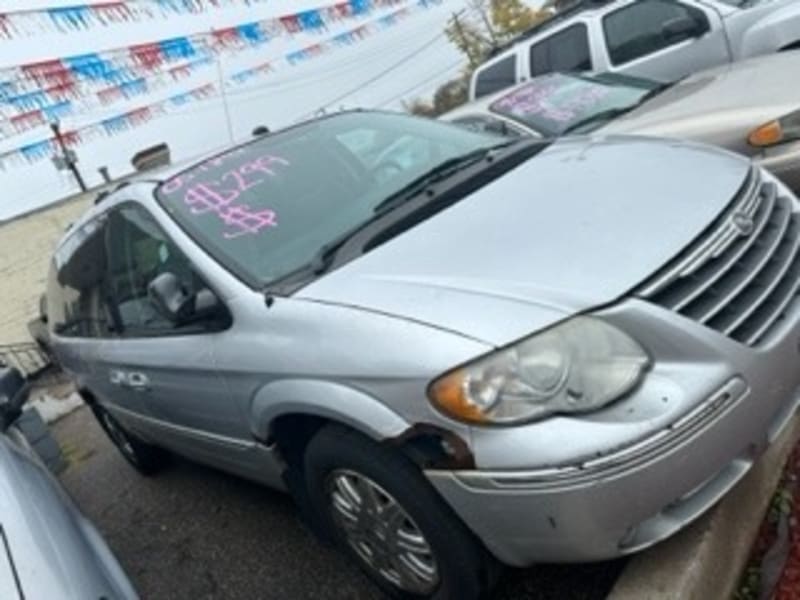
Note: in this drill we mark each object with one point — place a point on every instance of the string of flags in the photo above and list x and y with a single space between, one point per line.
60 76
78 84
85 17
44 149
22 113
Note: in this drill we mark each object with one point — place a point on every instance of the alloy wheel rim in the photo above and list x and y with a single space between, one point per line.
381 532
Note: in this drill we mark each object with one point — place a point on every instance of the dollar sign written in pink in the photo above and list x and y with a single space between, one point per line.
241 217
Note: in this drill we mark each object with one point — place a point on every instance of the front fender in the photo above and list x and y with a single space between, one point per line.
324 399
774 31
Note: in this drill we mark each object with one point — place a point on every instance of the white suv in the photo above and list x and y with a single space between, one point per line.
658 39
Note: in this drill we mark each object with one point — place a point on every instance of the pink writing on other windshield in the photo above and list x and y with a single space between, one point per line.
551 102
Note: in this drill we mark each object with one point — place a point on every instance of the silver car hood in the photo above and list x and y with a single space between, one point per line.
720 105
574 228
56 553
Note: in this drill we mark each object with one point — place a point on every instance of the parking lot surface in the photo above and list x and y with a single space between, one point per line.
195 533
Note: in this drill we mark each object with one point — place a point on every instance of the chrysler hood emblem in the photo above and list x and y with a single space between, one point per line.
743 223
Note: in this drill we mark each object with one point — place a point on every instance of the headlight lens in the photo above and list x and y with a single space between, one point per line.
580 365
775 132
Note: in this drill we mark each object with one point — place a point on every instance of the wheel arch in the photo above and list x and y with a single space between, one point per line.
288 413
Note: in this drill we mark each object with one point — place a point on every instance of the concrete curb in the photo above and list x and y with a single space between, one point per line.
706 559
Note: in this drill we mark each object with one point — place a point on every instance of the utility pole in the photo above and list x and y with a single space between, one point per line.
225 106
474 61
68 156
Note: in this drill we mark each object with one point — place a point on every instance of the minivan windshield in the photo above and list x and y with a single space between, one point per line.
266 209
560 103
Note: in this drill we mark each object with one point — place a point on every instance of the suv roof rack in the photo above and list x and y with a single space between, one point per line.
577 7
106 192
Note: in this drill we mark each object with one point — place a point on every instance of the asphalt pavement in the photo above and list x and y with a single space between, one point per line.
195 533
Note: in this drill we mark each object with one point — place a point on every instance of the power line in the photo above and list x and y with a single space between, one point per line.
375 78
422 83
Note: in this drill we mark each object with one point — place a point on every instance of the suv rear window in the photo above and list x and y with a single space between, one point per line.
565 51
496 77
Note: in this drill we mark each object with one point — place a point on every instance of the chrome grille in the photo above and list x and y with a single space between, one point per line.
742 274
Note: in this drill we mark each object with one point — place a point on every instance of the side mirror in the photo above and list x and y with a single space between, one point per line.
13 394
175 304
684 28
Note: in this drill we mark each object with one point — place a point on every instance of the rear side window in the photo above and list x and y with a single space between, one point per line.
75 290
641 28
496 77
565 51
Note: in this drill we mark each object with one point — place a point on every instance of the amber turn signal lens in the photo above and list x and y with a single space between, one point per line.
448 394
766 135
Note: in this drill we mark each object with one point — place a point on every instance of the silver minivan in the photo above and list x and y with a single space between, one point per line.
452 350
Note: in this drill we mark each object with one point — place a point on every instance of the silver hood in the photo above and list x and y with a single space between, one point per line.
719 106
574 228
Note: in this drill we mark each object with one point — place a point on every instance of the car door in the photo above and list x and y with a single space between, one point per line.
164 375
76 318
663 40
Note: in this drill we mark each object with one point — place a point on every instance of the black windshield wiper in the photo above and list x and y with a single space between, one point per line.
606 115
324 256
440 172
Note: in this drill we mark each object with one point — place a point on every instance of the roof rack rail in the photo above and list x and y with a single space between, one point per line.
577 7
107 192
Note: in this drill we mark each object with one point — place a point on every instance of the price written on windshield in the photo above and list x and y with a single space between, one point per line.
220 196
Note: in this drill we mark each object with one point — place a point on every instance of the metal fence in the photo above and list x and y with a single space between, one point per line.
29 358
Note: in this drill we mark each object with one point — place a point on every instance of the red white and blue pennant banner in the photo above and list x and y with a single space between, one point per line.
84 17
130 62
34 152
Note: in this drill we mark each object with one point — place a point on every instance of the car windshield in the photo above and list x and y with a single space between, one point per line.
267 208
557 103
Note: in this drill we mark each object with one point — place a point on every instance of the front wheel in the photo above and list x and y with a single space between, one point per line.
143 457
380 509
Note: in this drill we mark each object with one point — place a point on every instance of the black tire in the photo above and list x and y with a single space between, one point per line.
144 457
465 569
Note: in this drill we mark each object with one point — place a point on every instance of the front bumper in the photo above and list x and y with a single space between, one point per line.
784 162
624 500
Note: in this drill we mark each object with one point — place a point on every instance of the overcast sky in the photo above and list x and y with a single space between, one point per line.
400 63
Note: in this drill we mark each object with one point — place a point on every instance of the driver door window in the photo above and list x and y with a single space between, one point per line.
138 251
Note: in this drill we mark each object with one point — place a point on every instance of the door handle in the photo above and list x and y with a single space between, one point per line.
129 379
138 381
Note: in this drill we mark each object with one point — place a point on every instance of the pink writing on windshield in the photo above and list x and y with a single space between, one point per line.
560 104
219 196
244 176
203 199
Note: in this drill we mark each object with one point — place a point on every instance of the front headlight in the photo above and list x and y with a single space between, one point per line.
580 365
785 129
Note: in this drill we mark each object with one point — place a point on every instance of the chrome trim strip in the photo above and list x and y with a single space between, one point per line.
196 434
